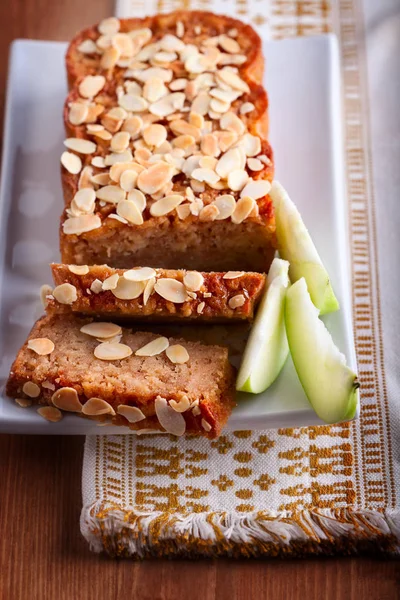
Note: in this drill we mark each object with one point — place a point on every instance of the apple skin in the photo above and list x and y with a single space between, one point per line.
267 347
330 385
296 246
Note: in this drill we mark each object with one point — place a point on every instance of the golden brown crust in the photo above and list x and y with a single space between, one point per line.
211 302
135 381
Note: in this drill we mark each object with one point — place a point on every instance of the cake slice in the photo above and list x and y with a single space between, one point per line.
167 162
139 380
154 294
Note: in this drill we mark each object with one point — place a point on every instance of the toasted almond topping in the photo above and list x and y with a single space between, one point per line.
104 41
100 179
65 293
177 354
237 301
41 346
77 113
218 106
181 127
66 398
246 108
96 406
154 178
148 290
183 405
154 89
207 175
31 389
153 348
177 85
226 139
140 274
131 413
78 269
115 157
133 103
115 217
165 205
91 85
112 351
254 164
45 290
228 162
111 193
155 135
129 211
96 286
124 44
133 125
209 213
205 425
183 141
209 145
237 179
256 189
84 179
207 295
120 141
226 205
228 44
102 330
196 411
118 168
128 180
251 144
109 26
82 224
264 159
244 206
87 47
84 200
80 145
231 122
183 211
233 274
23 402
193 281
48 385
171 290
50 413
110 57
201 103
71 162
172 421
110 284
192 295
200 307
208 162
138 198
128 290
231 79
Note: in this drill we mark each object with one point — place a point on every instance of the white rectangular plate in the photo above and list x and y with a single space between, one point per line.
302 79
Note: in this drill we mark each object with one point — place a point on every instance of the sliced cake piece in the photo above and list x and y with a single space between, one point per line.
154 294
136 379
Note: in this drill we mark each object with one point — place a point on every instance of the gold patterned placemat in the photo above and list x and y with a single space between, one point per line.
287 491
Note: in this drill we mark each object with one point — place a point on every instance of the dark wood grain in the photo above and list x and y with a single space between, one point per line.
42 554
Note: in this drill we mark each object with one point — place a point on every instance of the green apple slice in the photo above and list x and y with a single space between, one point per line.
267 348
296 246
329 384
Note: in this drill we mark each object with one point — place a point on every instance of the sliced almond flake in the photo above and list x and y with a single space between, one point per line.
138 198
170 43
82 224
31 389
183 211
117 169
220 185
226 139
65 293
172 290
102 330
192 295
109 284
180 29
237 179
251 144
236 301
254 164
48 385
94 111
96 406
193 280
100 179
66 398
183 142
131 413
197 186
128 290
41 346
233 274
50 413
231 122
87 47
111 193
231 79
184 403
256 189
77 113
148 290
208 162
120 141
85 177
177 354
154 178
246 108
112 351
228 44
226 205
207 294
133 103
117 218
109 26
164 57
213 114
133 126
244 206
228 162
128 180
170 420
98 161
153 348
209 213
80 145
206 175
114 157
200 307
209 145
71 162
232 59
201 103
96 286
264 159
141 36
181 127
218 107
124 44
23 402
196 411
91 85
155 135
45 291
129 211
177 85
206 425
103 42
110 57
227 96
143 75
140 274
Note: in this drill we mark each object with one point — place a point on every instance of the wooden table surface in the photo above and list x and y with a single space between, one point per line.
42 554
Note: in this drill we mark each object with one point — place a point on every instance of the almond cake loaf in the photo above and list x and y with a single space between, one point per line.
154 294
140 380
166 161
